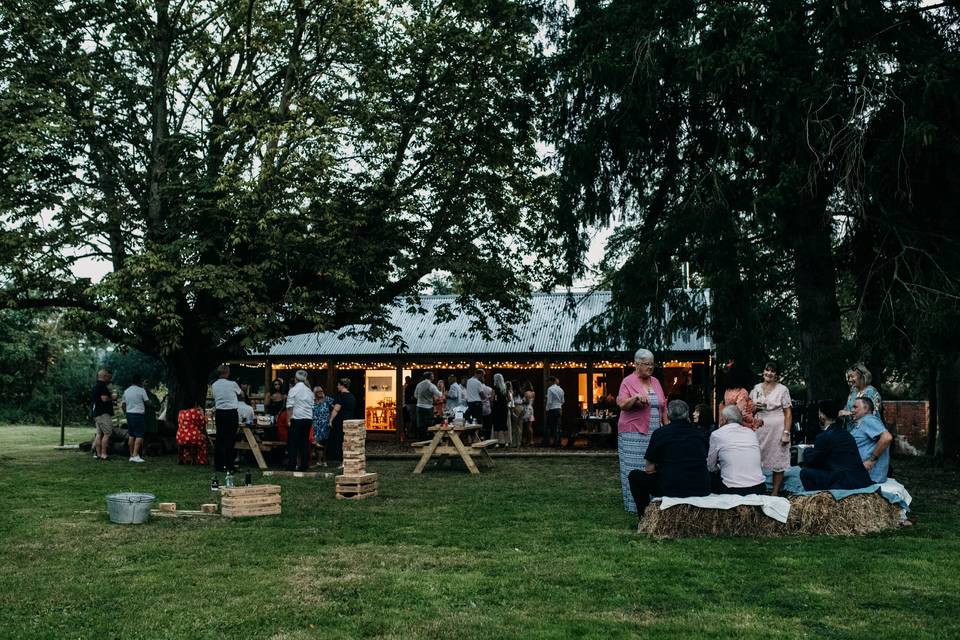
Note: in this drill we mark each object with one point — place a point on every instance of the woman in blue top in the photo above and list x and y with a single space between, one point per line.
321 421
859 379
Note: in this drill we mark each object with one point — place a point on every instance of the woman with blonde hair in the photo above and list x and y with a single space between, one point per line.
859 379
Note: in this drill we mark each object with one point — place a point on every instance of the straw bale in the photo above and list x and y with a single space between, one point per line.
818 514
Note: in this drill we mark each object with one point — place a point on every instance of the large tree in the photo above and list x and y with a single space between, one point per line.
248 169
728 136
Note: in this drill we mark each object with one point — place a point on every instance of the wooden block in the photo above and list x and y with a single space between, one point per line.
208 508
271 510
253 490
293 474
357 488
169 507
361 478
354 470
358 496
253 501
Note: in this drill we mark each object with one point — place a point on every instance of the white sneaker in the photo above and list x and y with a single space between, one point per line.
137 459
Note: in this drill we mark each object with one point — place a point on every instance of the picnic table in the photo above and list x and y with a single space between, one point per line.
256 447
447 443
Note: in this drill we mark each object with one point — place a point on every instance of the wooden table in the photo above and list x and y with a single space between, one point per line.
251 445
448 444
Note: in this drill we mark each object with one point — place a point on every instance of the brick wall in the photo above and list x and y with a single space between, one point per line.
908 418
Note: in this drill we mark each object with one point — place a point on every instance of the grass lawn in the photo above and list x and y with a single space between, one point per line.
532 549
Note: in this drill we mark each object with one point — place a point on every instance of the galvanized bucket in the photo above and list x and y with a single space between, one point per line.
129 508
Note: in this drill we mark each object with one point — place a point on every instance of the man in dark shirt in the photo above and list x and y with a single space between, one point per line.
344 407
676 461
101 400
835 460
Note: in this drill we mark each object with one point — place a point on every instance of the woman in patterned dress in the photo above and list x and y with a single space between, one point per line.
322 405
192 436
859 379
643 409
775 410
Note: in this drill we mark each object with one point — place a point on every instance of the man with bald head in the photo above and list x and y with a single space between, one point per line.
102 402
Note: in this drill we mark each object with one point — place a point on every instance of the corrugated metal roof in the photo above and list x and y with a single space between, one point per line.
551 328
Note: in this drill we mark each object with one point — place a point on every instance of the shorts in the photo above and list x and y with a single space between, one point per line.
104 424
136 425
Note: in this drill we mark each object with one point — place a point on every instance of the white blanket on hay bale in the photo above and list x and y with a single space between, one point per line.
776 508
779 508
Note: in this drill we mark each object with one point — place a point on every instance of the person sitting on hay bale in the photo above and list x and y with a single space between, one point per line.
735 452
675 461
872 438
834 462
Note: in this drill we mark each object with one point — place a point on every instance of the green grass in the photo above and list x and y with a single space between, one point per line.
531 549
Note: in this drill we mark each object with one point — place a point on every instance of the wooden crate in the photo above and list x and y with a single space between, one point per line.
257 500
357 486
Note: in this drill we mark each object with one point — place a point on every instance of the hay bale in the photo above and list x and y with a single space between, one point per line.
856 515
818 514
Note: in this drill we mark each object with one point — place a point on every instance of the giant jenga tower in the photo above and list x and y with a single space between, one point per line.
355 483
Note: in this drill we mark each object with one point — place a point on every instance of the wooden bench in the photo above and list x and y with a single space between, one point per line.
483 444
422 443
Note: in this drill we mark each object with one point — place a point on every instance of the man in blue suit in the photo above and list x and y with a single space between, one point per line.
835 461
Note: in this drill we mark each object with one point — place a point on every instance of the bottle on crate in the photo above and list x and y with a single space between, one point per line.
214 484
247 479
228 481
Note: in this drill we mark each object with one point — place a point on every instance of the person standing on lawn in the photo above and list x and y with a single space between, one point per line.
474 396
774 410
300 402
102 402
226 399
426 394
134 404
344 406
555 399
643 409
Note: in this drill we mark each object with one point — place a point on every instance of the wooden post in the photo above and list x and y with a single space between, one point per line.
267 381
61 420
331 378
589 387
399 422
542 404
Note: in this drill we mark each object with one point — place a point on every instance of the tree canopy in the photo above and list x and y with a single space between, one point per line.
794 154
254 169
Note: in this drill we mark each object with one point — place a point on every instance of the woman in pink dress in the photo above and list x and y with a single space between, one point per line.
775 410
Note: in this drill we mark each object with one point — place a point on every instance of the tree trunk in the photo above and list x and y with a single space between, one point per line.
933 411
948 405
188 385
809 237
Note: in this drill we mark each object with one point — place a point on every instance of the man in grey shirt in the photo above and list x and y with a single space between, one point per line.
474 396
226 398
555 398
425 393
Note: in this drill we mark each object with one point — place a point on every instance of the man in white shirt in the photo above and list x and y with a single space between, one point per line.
425 393
135 403
245 411
454 394
226 399
474 396
735 451
300 405
555 399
